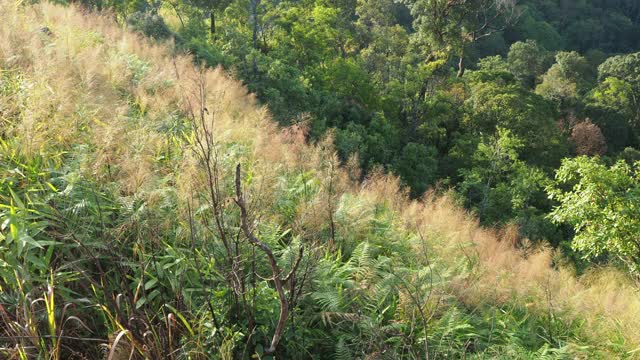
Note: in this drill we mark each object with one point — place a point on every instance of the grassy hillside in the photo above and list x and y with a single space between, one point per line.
150 209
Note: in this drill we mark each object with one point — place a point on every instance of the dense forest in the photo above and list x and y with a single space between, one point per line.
333 179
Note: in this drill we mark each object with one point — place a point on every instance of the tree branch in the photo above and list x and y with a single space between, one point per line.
275 269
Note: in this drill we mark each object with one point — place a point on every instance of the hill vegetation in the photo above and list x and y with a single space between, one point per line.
151 209
483 96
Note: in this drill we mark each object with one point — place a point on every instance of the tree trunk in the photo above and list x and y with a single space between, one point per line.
278 281
212 16
175 8
461 67
254 13
415 116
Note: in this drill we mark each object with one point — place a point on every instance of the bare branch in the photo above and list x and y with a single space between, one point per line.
275 269
295 266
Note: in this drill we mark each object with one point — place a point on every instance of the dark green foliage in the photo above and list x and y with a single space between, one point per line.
582 25
619 87
418 166
614 126
496 103
630 155
150 24
527 61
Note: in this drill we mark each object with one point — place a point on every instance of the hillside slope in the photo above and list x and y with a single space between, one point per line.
147 206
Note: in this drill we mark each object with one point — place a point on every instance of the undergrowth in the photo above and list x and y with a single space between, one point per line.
149 209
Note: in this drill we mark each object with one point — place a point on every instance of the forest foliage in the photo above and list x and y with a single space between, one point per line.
151 208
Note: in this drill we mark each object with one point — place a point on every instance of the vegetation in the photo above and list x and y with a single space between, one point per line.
150 208
415 87
602 207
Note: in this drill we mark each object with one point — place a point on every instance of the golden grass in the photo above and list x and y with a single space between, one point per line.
77 87
605 299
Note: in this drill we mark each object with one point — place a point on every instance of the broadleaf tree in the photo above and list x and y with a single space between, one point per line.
602 204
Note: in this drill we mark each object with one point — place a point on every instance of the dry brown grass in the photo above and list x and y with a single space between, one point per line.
78 87
605 298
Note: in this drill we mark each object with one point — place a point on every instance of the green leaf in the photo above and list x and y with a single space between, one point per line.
151 283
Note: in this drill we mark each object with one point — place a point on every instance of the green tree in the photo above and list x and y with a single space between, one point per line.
501 187
497 101
614 125
417 166
619 86
533 25
375 13
567 80
527 60
493 159
603 206
455 25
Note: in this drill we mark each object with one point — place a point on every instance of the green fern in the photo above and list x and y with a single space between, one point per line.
342 352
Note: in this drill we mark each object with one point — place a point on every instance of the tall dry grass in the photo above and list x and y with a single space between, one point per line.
605 298
89 83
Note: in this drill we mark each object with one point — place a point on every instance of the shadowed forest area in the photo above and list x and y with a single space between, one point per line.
254 179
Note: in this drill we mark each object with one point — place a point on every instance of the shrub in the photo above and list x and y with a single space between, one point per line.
150 24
